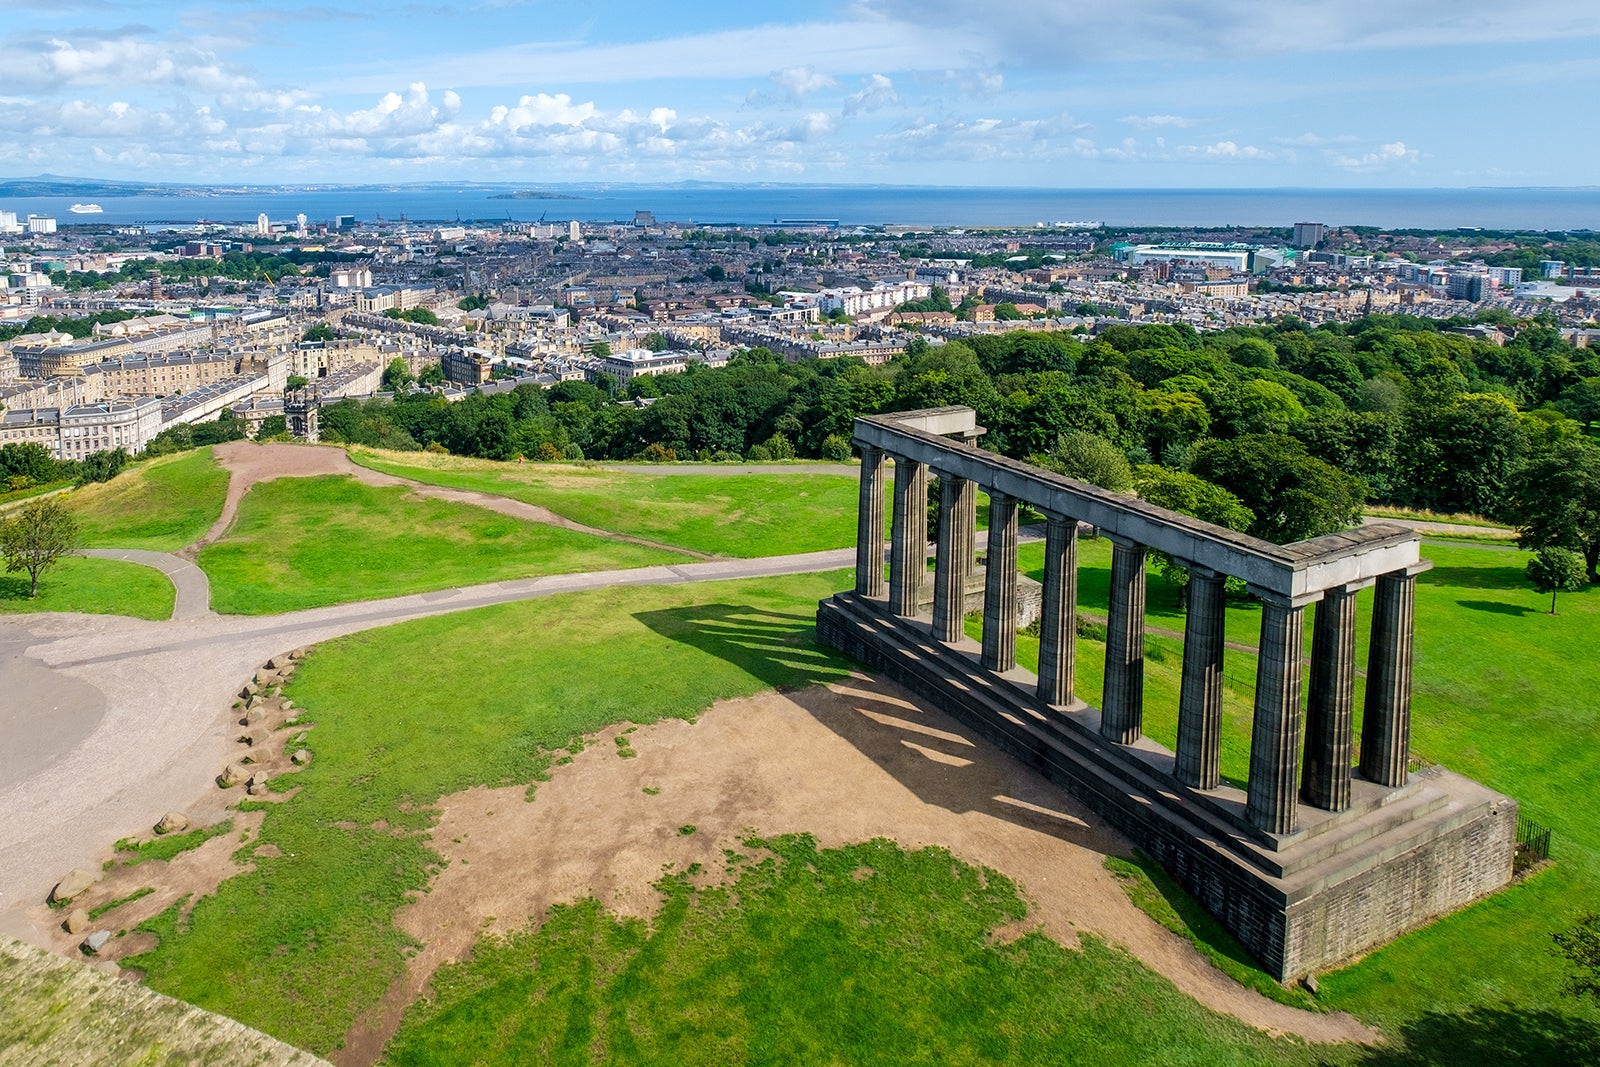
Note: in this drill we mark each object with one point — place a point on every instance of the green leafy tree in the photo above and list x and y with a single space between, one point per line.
102 466
1556 570
1581 947
318 332
1089 459
397 375
1294 495
1555 501
1189 495
36 537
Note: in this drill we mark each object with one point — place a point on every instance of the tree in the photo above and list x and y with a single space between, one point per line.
1191 495
319 332
1089 459
1581 947
397 375
1555 501
1556 570
36 537
1294 495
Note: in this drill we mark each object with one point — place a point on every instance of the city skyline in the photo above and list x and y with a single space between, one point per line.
1143 94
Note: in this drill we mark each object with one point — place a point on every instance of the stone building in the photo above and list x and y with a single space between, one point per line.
1334 846
75 432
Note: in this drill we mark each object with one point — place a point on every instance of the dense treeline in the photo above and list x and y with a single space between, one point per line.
1302 426
27 465
239 266
79 328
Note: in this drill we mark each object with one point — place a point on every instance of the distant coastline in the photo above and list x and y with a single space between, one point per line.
704 203
533 194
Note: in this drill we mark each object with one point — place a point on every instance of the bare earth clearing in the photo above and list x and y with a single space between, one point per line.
845 763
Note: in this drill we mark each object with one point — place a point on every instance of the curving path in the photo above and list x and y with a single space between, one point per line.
193 587
248 463
139 720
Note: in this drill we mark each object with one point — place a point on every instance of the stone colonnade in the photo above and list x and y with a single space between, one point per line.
1288 765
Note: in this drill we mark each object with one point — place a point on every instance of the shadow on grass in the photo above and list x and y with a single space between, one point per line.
13 588
1477 577
1496 608
1502 1035
776 647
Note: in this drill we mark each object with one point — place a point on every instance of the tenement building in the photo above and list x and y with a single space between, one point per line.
78 431
1333 844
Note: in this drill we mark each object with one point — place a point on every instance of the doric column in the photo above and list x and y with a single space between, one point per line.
953 559
1058 615
1275 741
869 524
1122 711
1330 705
1200 699
1386 723
908 538
1000 585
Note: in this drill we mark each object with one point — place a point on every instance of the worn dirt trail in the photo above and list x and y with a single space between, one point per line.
846 763
248 463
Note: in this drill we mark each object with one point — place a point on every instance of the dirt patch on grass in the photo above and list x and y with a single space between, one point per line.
248 463
193 874
846 763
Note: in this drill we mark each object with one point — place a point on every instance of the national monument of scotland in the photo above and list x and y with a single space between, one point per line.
1322 856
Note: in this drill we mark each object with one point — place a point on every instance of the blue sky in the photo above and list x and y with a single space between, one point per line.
1055 93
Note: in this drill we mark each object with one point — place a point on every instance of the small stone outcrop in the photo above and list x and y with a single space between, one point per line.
76 883
172 822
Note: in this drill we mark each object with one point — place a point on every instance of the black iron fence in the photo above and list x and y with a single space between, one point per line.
1533 839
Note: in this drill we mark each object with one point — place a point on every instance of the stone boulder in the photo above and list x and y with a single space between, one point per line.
257 784
172 822
232 775
77 921
301 757
95 941
253 716
74 884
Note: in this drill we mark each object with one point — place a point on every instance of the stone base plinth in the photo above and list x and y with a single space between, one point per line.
1340 885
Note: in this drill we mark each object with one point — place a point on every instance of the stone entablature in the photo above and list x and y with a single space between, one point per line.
1307 827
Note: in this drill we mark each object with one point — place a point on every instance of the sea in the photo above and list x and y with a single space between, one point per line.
1564 209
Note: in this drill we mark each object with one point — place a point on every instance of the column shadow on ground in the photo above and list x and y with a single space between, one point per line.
928 753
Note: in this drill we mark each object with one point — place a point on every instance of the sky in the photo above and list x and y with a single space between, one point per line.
1035 93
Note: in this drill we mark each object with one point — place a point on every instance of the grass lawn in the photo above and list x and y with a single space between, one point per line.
743 515
309 542
796 961
91 586
775 969
867 954
302 944
162 505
